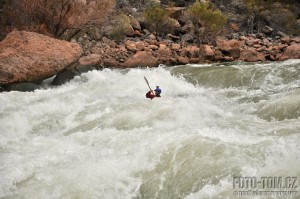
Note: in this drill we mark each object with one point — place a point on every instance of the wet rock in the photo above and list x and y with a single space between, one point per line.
31 57
63 77
22 87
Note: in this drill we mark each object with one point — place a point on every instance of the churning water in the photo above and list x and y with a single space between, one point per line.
99 137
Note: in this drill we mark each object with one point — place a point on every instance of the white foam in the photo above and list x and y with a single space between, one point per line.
99 137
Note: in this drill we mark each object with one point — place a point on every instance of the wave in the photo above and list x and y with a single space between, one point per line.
99 137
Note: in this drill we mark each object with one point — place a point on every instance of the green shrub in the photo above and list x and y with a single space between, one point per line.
206 15
121 22
156 17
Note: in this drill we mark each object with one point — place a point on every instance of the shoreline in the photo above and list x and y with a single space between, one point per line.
151 51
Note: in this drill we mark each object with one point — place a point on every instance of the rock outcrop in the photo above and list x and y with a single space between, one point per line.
141 58
31 57
291 52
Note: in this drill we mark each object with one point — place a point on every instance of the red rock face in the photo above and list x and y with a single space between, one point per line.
291 52
141 58
251 55
230 47
29 57
92 59
206 53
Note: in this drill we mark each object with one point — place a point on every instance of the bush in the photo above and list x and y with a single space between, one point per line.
278 14
120 23
156 17
58 15
207 16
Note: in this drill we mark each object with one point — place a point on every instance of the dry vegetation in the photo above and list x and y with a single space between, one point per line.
55 16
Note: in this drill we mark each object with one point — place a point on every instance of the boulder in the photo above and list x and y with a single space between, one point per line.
63 77
110 62
296 39
251 55
172 26
173 37
22 87
130 45
134 23
92 60
140 45
218 56
230 47
163 51
128 30
182 60
291 52
285 40
153 47
175 47
267 30
193 51
137 33
206 53
108 42
31 57
141 58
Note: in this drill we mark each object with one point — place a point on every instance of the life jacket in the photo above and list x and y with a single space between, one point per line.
157 92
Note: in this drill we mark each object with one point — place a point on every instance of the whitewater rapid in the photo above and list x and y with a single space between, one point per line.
99 137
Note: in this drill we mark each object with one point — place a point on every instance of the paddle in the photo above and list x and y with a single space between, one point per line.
148 84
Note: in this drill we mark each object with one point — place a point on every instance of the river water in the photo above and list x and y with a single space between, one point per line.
99 137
